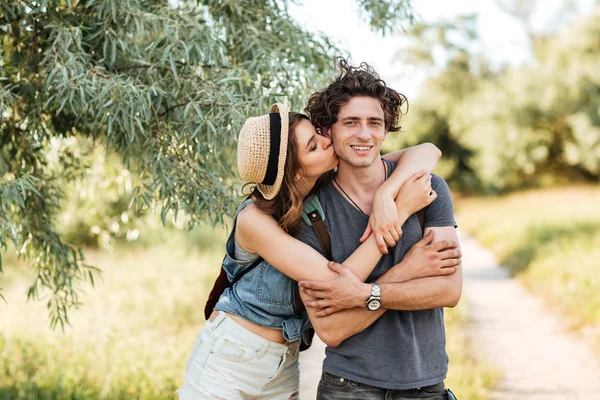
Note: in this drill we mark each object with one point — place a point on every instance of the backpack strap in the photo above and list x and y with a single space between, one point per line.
313 215
221 283
312 204
244 272
322 233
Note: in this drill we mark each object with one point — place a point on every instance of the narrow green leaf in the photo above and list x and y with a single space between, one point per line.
163 215
173 66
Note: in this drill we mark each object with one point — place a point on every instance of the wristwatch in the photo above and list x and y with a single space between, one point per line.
373 303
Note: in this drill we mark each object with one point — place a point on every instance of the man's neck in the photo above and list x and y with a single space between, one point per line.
361 183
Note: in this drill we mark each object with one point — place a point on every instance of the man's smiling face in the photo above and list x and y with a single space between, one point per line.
359 131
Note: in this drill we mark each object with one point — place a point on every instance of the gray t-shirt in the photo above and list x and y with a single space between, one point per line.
402 349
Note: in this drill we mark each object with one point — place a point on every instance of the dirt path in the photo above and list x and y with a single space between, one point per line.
311 362
510 329
513 330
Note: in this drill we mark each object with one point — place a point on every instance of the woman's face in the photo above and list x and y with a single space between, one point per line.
314 151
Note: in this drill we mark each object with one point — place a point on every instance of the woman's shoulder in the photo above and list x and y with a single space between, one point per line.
250 217
253 226
247 209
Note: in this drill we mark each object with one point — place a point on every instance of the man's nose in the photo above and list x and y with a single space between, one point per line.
363 133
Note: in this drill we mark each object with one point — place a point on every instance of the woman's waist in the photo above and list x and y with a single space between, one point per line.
262 312
270 334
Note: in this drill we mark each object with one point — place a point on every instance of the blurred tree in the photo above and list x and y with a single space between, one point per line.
530 125
451 44
539 124
165 85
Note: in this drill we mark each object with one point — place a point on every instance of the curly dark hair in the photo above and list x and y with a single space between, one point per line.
323 107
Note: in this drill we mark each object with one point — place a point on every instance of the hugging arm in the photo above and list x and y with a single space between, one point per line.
424 259
259 233
426 154
396 294
384 221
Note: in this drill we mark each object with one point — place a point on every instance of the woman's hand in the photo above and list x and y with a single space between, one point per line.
388 215
415 194
384 222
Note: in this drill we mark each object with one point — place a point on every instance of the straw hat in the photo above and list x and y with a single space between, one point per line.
262 149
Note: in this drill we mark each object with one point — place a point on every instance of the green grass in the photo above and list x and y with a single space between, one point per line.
132 336
550 240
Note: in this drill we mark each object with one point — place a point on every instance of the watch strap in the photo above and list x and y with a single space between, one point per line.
375 290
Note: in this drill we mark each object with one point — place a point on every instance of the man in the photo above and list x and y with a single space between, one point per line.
390 342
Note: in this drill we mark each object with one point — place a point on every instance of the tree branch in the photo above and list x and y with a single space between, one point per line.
172 107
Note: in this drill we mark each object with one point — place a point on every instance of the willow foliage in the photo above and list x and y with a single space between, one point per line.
166 85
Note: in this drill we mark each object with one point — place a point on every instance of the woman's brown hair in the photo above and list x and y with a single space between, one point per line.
286 207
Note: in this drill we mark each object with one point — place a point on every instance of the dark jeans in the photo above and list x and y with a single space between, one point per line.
333 387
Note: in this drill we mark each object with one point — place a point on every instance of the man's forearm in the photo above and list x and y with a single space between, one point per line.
418 294
337 327
422 293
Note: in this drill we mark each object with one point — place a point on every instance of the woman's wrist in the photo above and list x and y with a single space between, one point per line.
365 293
388 188
403 215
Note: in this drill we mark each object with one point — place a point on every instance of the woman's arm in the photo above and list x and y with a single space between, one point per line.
426 155
384 221
427 149
259 233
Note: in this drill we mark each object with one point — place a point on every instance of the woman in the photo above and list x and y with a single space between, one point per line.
248 348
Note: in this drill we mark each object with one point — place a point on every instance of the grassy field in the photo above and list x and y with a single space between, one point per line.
550 240
131 338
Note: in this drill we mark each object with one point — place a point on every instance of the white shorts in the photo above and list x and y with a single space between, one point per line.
230 362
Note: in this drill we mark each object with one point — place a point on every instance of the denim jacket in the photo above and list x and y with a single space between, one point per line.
263 296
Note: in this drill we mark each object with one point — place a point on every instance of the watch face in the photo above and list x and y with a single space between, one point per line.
374 304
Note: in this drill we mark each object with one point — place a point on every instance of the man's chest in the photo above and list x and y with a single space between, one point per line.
346 229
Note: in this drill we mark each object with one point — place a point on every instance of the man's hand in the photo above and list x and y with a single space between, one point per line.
426 259
346 291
